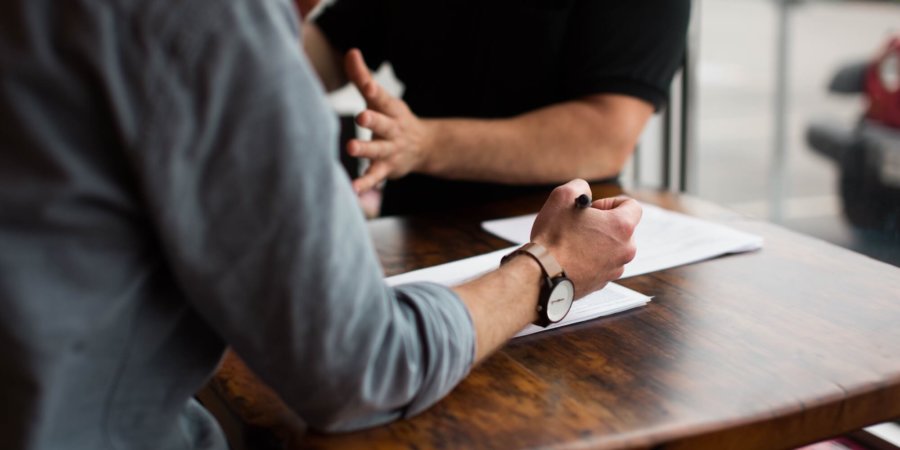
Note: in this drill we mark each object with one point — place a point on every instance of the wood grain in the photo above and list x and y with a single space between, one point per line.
771 349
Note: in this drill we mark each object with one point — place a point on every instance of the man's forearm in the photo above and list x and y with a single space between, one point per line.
326 61
589 138
501 303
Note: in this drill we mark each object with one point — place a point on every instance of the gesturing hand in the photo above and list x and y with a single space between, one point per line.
399 138
592 245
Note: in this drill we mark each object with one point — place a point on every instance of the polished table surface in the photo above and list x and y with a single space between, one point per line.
776 348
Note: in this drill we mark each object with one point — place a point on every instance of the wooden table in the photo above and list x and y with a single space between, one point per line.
772 349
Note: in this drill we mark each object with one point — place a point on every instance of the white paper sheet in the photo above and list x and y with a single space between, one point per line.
611 299
664 239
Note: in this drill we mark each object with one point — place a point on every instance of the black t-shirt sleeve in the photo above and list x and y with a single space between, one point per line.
356 24
632 48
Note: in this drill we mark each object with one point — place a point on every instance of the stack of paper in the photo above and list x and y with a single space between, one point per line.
611 299
664 239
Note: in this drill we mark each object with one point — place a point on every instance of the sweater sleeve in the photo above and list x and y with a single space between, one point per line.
237 162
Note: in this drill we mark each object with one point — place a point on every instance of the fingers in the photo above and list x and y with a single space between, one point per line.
629 210
376 97
625 207
624 214
380 124
356 69
609 202
359 74
566 194
379 99
375 174
577 187
377 149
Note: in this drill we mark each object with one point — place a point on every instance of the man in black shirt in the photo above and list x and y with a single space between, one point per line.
500 95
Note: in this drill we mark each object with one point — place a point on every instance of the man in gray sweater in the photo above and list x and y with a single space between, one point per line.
169 186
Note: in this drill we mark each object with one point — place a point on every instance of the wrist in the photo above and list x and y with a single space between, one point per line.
525 271
557 292
429 159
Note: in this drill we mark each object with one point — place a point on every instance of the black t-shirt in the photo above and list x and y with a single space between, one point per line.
500 58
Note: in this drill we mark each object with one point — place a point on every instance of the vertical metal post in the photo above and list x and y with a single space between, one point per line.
636 165
685 134
778 168
667 150
688 98
686 111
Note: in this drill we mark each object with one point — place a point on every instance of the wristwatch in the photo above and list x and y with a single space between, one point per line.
557 291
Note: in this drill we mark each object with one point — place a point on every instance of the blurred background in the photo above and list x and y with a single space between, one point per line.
762 72
759 82
738 159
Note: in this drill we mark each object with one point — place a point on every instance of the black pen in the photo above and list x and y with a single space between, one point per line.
582 201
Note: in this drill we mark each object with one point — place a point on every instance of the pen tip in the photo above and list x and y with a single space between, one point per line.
583 201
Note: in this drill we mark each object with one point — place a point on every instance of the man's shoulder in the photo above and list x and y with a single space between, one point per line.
179 22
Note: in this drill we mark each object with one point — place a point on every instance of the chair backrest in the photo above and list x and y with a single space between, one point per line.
669 140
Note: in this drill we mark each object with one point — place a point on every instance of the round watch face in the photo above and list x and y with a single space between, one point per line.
560 300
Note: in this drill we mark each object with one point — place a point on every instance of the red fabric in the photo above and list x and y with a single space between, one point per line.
884 105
